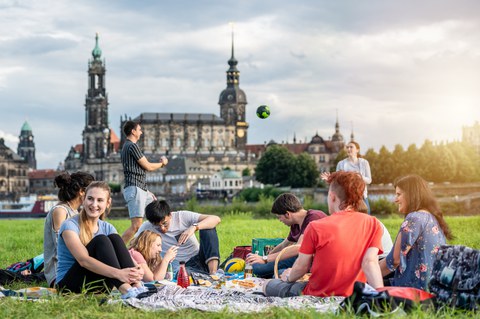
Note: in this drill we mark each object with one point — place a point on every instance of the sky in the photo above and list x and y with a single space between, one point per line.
397 72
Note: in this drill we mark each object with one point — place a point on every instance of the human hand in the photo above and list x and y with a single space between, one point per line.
186 234
325 175
136 274
285 273
171 253
164 160
254 259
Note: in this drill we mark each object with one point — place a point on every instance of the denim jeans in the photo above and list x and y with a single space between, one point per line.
209 249
267 270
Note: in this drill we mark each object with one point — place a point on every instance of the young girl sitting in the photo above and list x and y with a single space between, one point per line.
145 250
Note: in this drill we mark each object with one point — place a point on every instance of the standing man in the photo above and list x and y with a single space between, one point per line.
338 250
135 166
178 228
288 209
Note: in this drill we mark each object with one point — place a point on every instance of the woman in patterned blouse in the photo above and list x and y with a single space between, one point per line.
421 234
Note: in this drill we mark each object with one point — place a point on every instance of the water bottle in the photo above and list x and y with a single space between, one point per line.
169 274
182 276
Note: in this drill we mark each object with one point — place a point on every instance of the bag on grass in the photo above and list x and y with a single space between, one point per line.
367 300
35 265
455 278
265 245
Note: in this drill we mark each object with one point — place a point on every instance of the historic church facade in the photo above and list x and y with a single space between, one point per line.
212 142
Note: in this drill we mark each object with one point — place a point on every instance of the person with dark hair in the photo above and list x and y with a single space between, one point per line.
338 250
289 210
355 163
71 193
91 255
135 166
420 236
178 228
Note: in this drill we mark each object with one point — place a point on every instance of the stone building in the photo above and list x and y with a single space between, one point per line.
207 141
13 174
42 181
26 146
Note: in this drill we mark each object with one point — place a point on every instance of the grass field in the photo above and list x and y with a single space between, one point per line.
23 239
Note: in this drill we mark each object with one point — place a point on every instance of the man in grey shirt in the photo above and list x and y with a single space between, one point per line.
178 228
135 166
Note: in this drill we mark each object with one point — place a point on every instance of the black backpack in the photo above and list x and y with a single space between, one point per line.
455 277
386 300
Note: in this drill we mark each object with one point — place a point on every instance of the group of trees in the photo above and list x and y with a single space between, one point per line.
444 162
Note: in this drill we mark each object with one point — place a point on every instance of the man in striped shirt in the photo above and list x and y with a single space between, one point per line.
135 166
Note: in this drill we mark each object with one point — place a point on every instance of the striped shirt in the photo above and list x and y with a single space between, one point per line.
134 174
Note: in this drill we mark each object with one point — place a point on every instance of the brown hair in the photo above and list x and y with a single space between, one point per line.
349 187
86 233
419 196
286 202
143 243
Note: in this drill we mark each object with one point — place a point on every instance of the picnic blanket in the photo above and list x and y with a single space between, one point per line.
173 298
30 293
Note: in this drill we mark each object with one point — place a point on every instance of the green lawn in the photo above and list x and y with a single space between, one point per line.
23 239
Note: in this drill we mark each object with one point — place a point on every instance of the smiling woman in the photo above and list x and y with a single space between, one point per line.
91 255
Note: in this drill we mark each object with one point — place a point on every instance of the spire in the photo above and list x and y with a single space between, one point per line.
233 75
352 137
337 126
96 52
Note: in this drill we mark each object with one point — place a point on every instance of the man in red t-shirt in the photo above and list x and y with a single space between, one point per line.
289 210
337 250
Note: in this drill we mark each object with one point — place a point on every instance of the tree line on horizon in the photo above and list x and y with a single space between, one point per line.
455 162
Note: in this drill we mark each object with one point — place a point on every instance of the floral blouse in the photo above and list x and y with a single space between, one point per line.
421 234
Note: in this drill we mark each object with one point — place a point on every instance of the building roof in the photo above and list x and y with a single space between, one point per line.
26 127
226 173
43 174
178 117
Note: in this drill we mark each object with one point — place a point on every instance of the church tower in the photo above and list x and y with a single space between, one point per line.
26 146
96 134
232 103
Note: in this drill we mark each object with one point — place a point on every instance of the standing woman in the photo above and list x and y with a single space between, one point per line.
355 163
421 234
91 254
71 192
145 250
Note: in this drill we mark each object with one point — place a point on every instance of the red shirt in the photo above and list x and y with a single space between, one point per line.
338 244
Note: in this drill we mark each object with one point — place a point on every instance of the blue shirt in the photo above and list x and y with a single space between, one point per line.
421 233
65 258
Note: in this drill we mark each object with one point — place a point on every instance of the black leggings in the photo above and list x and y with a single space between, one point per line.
110 250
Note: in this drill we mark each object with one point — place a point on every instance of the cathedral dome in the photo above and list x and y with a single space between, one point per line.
232 95
96 52
26 127
317 139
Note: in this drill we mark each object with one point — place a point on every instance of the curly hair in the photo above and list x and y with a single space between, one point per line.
143 244
70 185
349 187
419 196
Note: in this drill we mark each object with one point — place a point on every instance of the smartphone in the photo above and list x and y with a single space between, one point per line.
178 237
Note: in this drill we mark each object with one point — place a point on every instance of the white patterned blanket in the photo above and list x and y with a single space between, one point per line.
174 298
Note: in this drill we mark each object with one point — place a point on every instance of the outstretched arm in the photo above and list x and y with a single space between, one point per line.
146 165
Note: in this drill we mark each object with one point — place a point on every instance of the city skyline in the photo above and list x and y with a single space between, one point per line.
400 76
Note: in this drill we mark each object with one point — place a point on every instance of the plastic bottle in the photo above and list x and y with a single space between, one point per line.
183 279
169 274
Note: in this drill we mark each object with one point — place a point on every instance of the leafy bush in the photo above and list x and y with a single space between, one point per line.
383 206
253 194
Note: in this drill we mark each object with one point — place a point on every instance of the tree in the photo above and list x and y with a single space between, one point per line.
246 171
304 172
275 165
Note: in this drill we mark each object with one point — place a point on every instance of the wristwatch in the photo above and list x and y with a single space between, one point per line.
265 259
196 226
